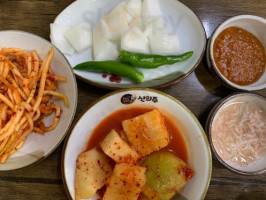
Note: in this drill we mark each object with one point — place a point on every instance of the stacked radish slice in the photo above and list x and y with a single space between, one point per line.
70 39
133 25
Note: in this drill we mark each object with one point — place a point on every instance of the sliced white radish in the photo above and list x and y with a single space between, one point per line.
109 52
101 34
135 41
161 41
79 36
57 32
118 21
154 28
134 8
164 44
150 11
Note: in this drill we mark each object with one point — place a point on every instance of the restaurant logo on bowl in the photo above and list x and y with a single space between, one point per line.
128 98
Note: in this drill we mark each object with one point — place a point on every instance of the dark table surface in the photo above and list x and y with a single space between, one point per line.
199 92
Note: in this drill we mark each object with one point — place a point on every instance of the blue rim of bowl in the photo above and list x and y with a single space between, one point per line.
208 127
164 85
128 90
75 103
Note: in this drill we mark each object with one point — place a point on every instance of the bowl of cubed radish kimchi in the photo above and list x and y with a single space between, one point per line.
136 144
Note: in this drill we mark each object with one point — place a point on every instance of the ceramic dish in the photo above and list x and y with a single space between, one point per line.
255 167
255 25
37 147
178 19
199 156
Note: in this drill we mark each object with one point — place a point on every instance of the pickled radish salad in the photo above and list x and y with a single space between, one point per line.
131 35
239 132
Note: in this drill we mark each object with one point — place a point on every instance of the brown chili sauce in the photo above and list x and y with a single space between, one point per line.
239 56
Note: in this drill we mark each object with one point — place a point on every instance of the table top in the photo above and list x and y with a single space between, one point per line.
199 92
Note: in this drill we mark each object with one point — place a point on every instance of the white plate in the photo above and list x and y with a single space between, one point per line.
37 147
199 156
178 19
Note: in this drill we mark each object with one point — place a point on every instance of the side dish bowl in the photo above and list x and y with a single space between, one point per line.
199 156
233 140
37 147
253 24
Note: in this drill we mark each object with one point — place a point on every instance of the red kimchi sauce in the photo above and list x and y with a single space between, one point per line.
114 121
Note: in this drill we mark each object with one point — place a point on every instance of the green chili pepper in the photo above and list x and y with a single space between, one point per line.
113 67
151 61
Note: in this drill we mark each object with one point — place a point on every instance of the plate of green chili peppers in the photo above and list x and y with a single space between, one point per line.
135 69
129 60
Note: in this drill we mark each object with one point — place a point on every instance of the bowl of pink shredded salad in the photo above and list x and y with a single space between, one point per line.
237 133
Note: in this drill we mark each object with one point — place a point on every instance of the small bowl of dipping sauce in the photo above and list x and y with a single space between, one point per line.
237 132
236 52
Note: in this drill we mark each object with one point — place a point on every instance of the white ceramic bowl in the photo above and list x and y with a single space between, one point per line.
255 25
257 167
178 20
36 146
199 156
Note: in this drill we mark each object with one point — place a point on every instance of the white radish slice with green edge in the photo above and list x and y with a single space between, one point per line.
109 52
57 32
79 36
135 41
